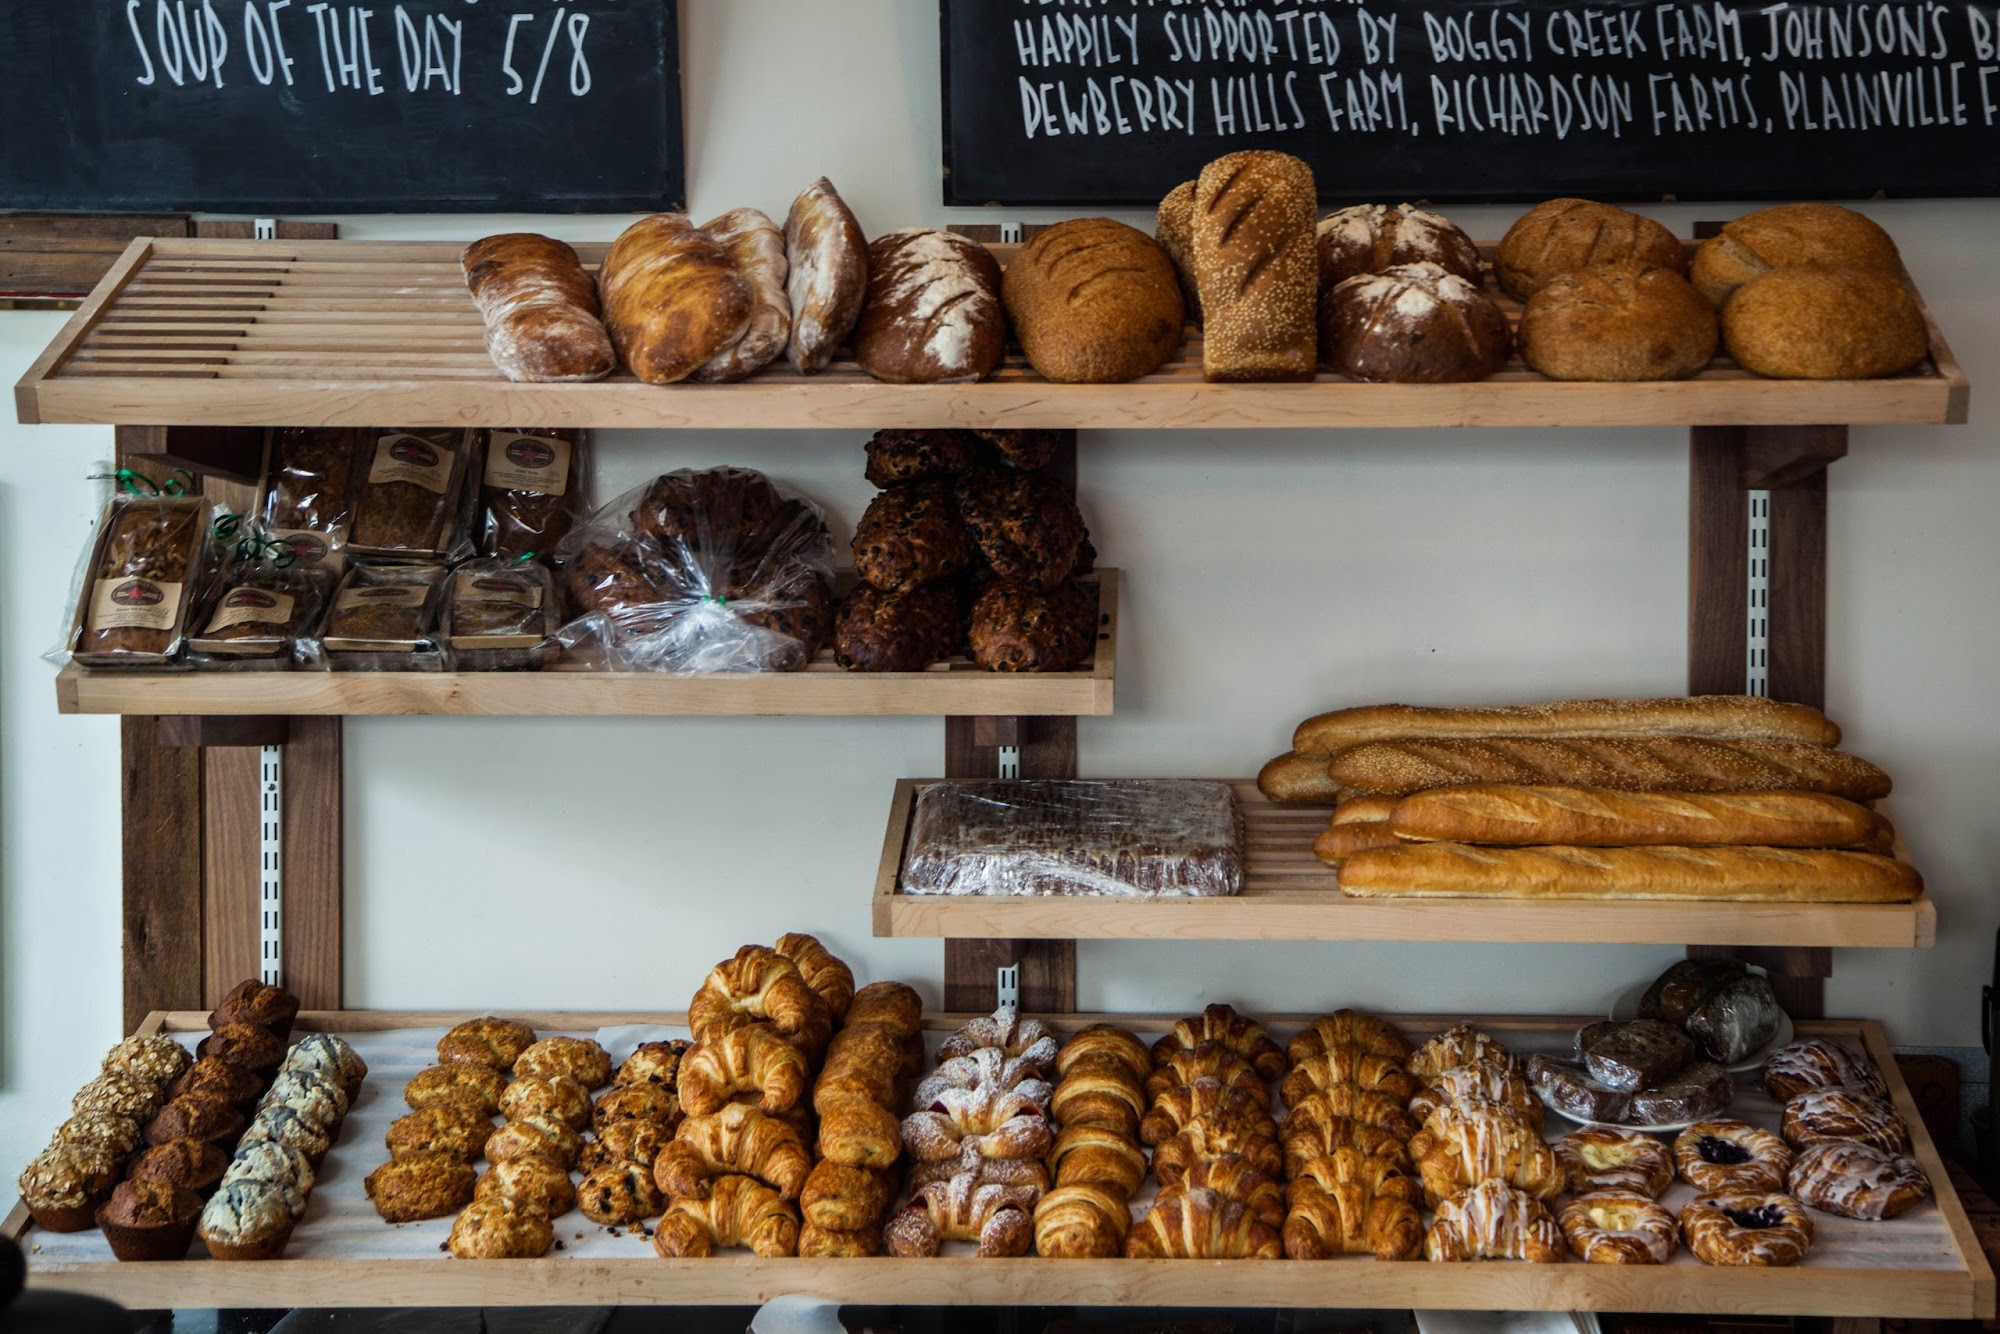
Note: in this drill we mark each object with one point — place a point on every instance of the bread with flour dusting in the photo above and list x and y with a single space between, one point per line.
1258 265
933 311
672 298
758 248
829 275
540 308
1412 324
1369 238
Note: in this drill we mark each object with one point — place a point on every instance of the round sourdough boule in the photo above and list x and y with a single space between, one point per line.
1566 234
1816 322
1412 324
1623 321
1788 235
1370 238
1094 302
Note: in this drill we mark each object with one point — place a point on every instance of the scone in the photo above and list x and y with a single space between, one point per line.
555 1098
626 1142
455 1128
497 1229
534 1184
479 1085
653 1063
486 1041
538 1138
582 1059
635 1102
423 1185
619 1195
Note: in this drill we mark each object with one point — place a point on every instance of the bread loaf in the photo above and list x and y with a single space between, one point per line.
540 308
1365 810
932 314
1723 717
757 248
1775 238
1370 238
1593 817
1173 228
1779 875
1566 234
672 298
1412 324
828 255
1644 764
1297 778
1341 841
1094 302
1258 266
1810 322
1618 321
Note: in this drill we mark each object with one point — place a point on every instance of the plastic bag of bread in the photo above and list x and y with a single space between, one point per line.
138 582
532 491
717 570
500 615
260 612
305 493
1132 838
384 618
410 495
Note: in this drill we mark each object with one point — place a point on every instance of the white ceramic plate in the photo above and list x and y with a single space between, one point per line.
1667 1128
1627 1007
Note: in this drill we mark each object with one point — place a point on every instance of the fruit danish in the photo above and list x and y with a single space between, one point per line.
1743 1227
1619 1228
1717 1156
1605 1158
1857 1181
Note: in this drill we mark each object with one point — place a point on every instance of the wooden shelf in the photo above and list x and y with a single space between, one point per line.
227 333
1289 894
955 688
1925 1264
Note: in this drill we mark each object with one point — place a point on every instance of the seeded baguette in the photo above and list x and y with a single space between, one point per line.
1651 764
1776 875
1723 717
1507 814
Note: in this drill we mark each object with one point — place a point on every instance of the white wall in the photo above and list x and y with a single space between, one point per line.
1268 575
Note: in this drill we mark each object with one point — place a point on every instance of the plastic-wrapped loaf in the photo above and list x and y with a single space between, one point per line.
134 592
1131 837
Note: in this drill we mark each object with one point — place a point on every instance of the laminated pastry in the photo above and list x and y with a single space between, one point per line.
1480 1081
673 298
1234 1177
1256 260
1293 777
1173 228
829 1244
933 312
906 631
1094 302
1095 1155
497 1228
1492 1221
1774 875
1786 235
1113 1047
1215 1061
911 534
755 1059
1698 1090
739 1139
1371 1033
1209 1137
1000 1218
1621 322
1130 837
1200 1224
141 584
1817 1063
758 985
1462 1146
1081 1221
1341 1138
1015 627
1818 1116
1723 1155
1513 814
1815 322
1645 764
828 279
422 1185
1606 1158
1633 1054
1174 1110
531 490
840 1198
1412 324
1716 717
824 971
1563 235
1461 1044
1619 1228
1349 1064
757 247
987 1067
408 498
1569 1089
543 322
1372 238
487 1041
1746 1228
1351 1219
1025 524
1345 1102
1856 1180
305 498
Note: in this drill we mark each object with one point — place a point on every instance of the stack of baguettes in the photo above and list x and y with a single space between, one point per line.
1725 797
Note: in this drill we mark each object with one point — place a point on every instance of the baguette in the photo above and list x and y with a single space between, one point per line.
1298 778
1643 764
1365 810
1500 813
1777 875
542 317
1341 841
1723 717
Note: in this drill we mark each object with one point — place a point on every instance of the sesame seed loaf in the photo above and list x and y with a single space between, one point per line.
1649 764
1255 256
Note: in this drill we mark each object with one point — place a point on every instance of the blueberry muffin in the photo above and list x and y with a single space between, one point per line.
196 1116
478 1085
423 1185
536 1137
535 1184
287 1127
195 1164
259 1003
251 1046
249 1220
456 1128
486 1041
269 1161
158 1059
498 1229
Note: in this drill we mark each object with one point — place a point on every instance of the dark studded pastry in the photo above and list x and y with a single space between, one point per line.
249 1045
626 1142
1693 1093
477 1085
735 512
423 1185
159 1058
254 1002
1570 1090
897 632
225 1079
1734 1019
1633 1054
197 1116
1026 525
486 1041
653 1063
635 1102
286 1126
615 575
1675 993
619 1194
912 534
1026 450
456 1128
798 604
194 1164
908 456
149 1220
1015 628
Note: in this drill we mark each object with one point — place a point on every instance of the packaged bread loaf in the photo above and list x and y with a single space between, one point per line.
259 615
532 492
409 499
385 618
500 615
305 497
140 581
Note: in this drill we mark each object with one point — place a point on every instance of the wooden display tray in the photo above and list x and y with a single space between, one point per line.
355 333
1939 1273
1289 894
954 688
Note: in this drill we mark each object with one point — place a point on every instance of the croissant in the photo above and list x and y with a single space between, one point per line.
1349 1027
753 1059
987 1067
1081 1222
1087 1155
864 1062
827 1244
1220 1023
1349 1065
837 1198
1101 1093
1369 1106
1349 1166
757 984
738 1139
1233 1178
1201 1225
1310 1139
891 1005
999 1218
1462 1045
1485 1142
1486 1081
1207 1060
823 972
1174 1109
1350 1220
1028 1039
738 1211
1208 1137
855 1132
1492 1221
1106 1042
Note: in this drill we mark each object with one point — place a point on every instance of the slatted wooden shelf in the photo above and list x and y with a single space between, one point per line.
1925 1264
1289 894
956 687
219 333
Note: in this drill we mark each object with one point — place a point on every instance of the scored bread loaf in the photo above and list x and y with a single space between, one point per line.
1412 324
1622 321
1173 228
672 298
1630 764
1506 813
933 313
1787 234
1342 841
1783 875
1814 322
1724 717
1292 777
1365 810
757 247
1258 265
1094 302
828 255
542 316
1369 238
1567 234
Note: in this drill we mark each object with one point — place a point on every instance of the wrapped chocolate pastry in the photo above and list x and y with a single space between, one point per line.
410 497
532 492
139 581
500 615
305 496
384 618
261 612
700 571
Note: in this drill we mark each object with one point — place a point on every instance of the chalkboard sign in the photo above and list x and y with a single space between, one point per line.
329 106
1118 101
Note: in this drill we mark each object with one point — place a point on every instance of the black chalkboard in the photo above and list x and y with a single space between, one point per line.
340 107
1119 101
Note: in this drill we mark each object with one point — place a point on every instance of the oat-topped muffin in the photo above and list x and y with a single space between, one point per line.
456 1128
498 1229
535 1137
149 1220
249 1220
248 1045
653 1063
196 1116
535 1184
487 1041
65 1183
579 1058
287 1127
278 1164
331 1056
259 1003
123 1135
225 1079
627 1142
158 1059
479 1085
193 1163
121 1095
423 1185
311 1094
555 1098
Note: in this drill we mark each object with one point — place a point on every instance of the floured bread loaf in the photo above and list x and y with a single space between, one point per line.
1414 323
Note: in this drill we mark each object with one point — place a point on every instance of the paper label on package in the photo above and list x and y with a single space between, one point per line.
502 588
252 606
413 459
390 595
530 463
132 602
312 549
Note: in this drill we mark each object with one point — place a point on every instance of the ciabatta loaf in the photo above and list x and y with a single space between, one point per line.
540 308
1504 813
1780 875
1723 717
672 298
1639 764
758 249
